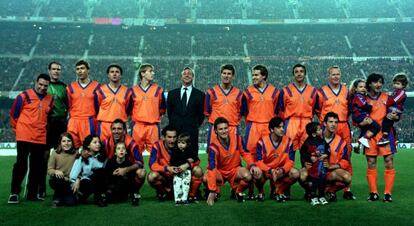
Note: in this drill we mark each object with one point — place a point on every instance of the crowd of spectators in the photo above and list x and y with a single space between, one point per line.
171 51
17 41
213 9
59 8
168 9
210 9
310 9
269 9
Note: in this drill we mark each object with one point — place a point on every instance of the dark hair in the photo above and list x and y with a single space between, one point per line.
82 62
263 70
374 78
311 128
59 148
228 67
220 120
168 128
43 76
185 137
275 122
87 141
400 77
118 120
298 65
51 63
144 68
330 115
114 65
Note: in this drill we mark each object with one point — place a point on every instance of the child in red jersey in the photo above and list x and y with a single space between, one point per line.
394 104
360 112
314 155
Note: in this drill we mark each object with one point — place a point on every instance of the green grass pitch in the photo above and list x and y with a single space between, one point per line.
225 211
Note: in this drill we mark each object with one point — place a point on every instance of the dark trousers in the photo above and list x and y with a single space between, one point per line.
119 187
95 185
35 153
55 127
318 186
63 191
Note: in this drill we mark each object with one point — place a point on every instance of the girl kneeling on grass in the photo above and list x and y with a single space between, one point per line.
59 166
87 174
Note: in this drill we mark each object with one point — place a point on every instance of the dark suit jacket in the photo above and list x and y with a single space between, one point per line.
188 120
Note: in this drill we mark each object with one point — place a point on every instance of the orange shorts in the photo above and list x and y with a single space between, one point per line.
254 131
145 135
230 176
80 128
295 129
104 130
385 150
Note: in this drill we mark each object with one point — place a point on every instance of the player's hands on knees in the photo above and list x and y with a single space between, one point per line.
211 198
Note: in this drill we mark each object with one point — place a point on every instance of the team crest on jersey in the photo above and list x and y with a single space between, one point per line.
275 155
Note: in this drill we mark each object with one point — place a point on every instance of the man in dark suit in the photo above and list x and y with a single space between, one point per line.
185 107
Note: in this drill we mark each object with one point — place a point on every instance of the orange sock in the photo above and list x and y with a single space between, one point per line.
242 186
282 185
389 178
372 178
195 184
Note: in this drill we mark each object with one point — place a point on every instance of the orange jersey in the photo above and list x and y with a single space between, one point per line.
339 152
260 106
132 149
147 105
219 104
338 103
298 104
160 157
228 158
379 107
81 100
272 156
28 116
111 104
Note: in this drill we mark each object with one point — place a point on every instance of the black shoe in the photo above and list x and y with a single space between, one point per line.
136 197
373 197
161 197
41 196
287 194
281 198
387 198
260 197
250 197
272 196
13 199
102 201
348 196
307 196
331 196
193 199
240 197
233 195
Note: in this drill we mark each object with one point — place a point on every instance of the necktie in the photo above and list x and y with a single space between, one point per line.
184 99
